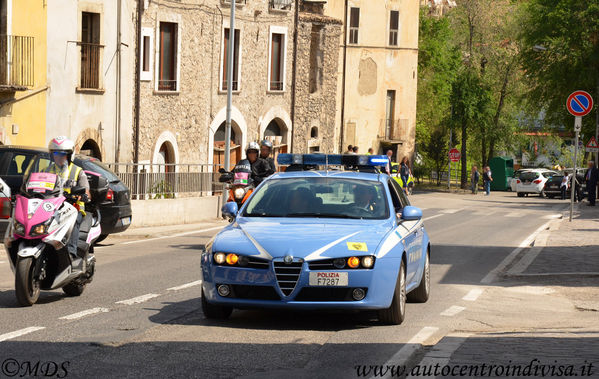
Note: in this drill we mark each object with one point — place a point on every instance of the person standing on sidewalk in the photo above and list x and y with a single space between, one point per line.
564 185
474 178
404 172
590 178
487 179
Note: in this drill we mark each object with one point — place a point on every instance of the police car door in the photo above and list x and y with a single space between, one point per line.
407 229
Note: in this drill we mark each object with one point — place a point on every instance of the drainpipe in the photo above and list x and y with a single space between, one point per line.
294 77
341 135
117 149
137 80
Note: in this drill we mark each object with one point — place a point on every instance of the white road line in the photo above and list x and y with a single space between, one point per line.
173 235
473 294
452 311
20 332
82 314
515 214
402 356
431 217
493 274
441 353
139 299
183 286
449 211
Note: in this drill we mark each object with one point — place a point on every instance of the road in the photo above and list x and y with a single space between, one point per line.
141 315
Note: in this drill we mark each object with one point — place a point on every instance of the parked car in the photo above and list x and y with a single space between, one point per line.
533 182
512 180
553 185
115 207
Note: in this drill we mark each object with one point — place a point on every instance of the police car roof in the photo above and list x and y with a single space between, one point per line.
374 177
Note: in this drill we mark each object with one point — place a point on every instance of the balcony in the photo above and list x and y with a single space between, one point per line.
16 62
91 63
395 130
280 5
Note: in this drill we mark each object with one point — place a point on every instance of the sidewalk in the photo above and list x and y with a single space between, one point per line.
134 233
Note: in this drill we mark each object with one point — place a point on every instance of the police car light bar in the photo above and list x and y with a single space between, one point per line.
332 159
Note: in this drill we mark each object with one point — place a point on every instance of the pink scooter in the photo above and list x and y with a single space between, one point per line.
41 225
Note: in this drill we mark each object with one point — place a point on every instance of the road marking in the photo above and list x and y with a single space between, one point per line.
173 235
431 217
530 255
20 332
449 211
139 299
452 311
410 347
494 273
183 286
441 353
515 214
473 294
82 314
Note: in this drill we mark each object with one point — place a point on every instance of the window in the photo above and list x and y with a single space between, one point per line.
354 25
146 53
167 79
316 58
278 48
394 28
91 51
235 84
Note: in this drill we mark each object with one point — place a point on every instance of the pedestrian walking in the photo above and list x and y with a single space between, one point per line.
404 172
564 185
474 178
591 177
487 179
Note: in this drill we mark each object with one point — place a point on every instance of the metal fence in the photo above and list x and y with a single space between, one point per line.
167 181
16 61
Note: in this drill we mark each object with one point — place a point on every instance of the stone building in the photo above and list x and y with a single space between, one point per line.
376 98
183 50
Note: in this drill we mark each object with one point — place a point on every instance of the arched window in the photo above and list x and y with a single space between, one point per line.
91 149
314 132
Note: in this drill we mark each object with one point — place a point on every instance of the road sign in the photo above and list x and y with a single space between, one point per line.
592 146
577 124
454 155
579 103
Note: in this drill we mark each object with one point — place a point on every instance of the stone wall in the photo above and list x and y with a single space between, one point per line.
316 83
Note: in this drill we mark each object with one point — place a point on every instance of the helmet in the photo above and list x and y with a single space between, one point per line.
266 143
253 146
62 143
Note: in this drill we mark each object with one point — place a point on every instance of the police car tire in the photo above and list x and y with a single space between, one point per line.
213 311
396 313
422 292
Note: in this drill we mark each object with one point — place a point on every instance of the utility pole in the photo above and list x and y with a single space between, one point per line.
449 169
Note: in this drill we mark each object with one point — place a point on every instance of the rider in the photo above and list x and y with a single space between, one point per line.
62 150
260 168
265 151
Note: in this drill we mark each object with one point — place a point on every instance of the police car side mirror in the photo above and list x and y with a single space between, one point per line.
410 213
229 210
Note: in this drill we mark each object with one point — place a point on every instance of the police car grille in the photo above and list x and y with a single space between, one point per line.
287 275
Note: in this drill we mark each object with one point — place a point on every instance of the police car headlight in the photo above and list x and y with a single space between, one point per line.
239 193
219 258
19 228
368 261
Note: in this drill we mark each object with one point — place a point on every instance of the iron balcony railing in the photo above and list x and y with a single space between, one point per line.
158 181
91 61
16 61
282 5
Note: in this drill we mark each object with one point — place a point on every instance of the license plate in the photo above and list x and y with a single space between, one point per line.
126 220
328 279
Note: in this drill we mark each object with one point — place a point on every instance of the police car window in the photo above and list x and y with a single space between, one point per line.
394 195
321 197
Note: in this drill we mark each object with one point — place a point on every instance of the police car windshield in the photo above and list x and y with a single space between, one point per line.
319 197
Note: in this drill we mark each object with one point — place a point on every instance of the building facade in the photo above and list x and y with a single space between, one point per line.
376 98
90 68
23 83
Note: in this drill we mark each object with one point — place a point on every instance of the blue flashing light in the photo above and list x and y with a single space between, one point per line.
332 159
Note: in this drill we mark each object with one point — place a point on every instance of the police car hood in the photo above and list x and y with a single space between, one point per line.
307 238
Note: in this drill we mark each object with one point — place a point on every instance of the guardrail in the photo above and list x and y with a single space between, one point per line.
167 181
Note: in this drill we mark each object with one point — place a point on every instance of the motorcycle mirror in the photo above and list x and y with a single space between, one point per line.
77 190
222 170
226 177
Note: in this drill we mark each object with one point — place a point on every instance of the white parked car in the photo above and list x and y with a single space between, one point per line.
533 182
512 180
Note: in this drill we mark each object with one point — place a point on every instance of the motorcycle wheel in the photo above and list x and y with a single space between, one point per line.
27 288
73 289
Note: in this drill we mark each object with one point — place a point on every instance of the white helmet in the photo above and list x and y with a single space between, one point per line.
62 143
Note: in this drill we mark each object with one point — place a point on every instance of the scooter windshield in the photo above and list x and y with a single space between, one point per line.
41 182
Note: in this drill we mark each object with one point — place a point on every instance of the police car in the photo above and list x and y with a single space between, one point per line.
332 232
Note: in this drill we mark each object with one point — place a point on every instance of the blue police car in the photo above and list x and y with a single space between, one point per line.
332 232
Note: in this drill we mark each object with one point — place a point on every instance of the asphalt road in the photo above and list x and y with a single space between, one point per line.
141 315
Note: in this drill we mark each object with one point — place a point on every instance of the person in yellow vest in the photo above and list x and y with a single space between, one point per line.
62 151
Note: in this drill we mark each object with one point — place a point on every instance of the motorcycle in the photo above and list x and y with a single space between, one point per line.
240 182
36 239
